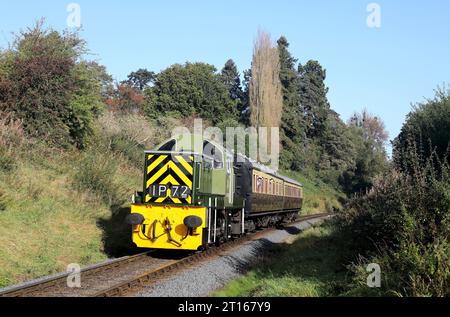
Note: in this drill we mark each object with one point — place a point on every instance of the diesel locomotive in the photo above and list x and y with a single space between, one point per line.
197 193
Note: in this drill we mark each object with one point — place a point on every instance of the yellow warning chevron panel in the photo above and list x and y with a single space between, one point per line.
168 170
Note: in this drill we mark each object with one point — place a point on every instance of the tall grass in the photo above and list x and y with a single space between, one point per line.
96 172
318 196
56 206
403 224
11 141
130 134
306 267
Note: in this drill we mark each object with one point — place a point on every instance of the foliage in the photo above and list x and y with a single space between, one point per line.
293 136
126 99
427 128
87 101
230 77
368 137
265 95
244 108
372 127
403 224
11 141
192 88
140 79
130 135
314 139
313 98
45 84
319 196
94 173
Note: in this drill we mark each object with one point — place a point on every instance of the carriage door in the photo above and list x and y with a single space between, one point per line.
230 178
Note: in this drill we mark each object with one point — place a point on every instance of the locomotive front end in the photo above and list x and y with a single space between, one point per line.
163 215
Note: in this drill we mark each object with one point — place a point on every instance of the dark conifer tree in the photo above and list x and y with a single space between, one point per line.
313 97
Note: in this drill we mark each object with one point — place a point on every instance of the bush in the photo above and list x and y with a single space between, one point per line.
427 128
403 224
96 172
11 140
44 82
129 135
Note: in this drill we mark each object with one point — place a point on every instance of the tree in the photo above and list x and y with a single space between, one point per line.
368 137
126 98
244 109
88 99
313 97
192 88
230 77
372 126
140 79
45 83
292 124
266 100
427 130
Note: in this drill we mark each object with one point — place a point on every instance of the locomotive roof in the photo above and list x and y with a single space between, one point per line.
254 164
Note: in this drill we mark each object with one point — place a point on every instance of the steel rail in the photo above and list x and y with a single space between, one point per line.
47 284
148 278
60 279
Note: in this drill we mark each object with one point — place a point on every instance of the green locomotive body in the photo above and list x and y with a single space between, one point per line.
198 193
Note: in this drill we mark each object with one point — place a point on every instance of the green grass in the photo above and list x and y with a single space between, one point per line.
307 267
47 221
318 196
62 206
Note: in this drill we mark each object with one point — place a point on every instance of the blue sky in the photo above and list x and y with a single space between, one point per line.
383 69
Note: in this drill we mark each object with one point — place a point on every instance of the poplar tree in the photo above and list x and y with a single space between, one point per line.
266 100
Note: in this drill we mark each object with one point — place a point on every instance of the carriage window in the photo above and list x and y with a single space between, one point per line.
169 146
260 185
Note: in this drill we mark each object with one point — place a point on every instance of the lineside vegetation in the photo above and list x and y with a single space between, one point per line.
71 143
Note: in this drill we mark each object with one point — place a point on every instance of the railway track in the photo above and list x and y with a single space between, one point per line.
127 275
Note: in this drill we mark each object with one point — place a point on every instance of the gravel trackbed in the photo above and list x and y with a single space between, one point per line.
213 274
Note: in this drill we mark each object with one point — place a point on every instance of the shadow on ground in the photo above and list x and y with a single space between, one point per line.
292 230
116 235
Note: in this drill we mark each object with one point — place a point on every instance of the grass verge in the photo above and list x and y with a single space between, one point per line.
309 266
318 196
